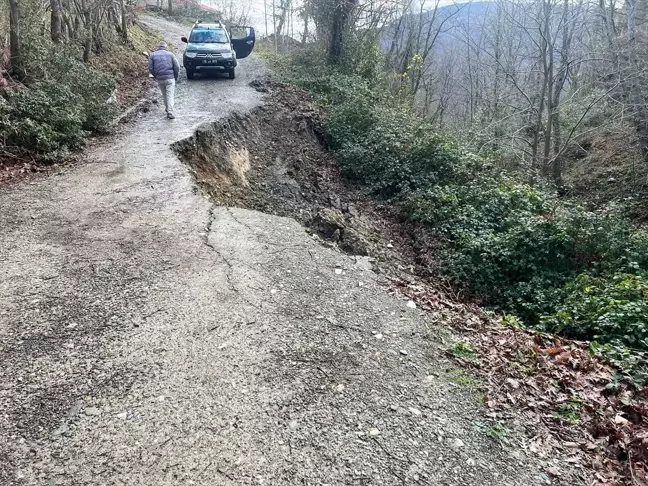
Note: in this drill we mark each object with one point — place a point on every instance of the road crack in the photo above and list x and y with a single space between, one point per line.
230 267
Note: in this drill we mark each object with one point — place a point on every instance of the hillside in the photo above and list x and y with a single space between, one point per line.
605 155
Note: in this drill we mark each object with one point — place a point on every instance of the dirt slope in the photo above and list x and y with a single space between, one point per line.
149 337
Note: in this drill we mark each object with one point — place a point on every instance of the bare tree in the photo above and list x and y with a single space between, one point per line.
124 18
17 63
342 10
284 10
524 77
56 20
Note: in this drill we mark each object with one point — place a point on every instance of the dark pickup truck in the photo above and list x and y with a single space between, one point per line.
212 47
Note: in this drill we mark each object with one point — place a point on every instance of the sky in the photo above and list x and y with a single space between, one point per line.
254 7
257 16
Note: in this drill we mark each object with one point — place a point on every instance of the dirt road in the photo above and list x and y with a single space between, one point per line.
148 338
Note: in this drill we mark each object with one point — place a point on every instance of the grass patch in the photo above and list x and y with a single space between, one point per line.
466 352
570 411
464 381
496 430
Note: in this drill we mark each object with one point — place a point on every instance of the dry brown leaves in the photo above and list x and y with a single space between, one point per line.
13 168
553 381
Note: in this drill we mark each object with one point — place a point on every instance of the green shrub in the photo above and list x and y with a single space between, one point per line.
337 89
379 143
516 246
64 100
632 364
479 201
46 118
605 309
62 64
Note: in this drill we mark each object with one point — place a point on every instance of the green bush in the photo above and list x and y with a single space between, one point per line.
631 363
63 65
516 246
335 90
379 143
64 100
47 119
606 309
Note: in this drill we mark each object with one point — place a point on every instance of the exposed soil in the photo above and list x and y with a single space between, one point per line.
274 160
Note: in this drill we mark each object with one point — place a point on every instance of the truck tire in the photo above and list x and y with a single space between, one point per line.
190 74
232 73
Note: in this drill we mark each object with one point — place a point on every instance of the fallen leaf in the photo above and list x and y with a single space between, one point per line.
618 419
563 357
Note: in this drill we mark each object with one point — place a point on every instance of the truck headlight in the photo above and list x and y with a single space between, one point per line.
227 55
190 54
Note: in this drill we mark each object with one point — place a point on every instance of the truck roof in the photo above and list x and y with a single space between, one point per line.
209 25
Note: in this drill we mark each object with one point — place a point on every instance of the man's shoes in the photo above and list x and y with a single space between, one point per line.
170 116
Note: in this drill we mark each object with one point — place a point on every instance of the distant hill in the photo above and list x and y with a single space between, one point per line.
455 20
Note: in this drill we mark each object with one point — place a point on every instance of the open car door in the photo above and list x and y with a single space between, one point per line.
243 40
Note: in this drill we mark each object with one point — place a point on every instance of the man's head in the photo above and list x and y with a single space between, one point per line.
162 45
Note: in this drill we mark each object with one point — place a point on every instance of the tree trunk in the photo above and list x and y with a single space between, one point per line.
563 73
89 30
633 86
557 142
274 23
170 8
546 156
546 55
97 38
55 23
495 113
394 44
549 81
15 50
283 6
632 22
87 45
342 11
335 49
124 26
305 34
77 26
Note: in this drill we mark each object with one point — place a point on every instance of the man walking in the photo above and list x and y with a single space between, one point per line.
165 68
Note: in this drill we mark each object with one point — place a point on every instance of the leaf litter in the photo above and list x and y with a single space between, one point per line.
554 382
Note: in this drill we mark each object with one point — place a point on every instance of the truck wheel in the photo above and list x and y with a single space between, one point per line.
232 73
190 74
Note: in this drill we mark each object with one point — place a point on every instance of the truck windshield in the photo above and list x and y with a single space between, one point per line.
208 36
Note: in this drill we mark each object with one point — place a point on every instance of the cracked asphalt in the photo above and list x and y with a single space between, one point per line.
150 338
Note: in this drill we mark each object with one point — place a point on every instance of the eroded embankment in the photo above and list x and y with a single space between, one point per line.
273 160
